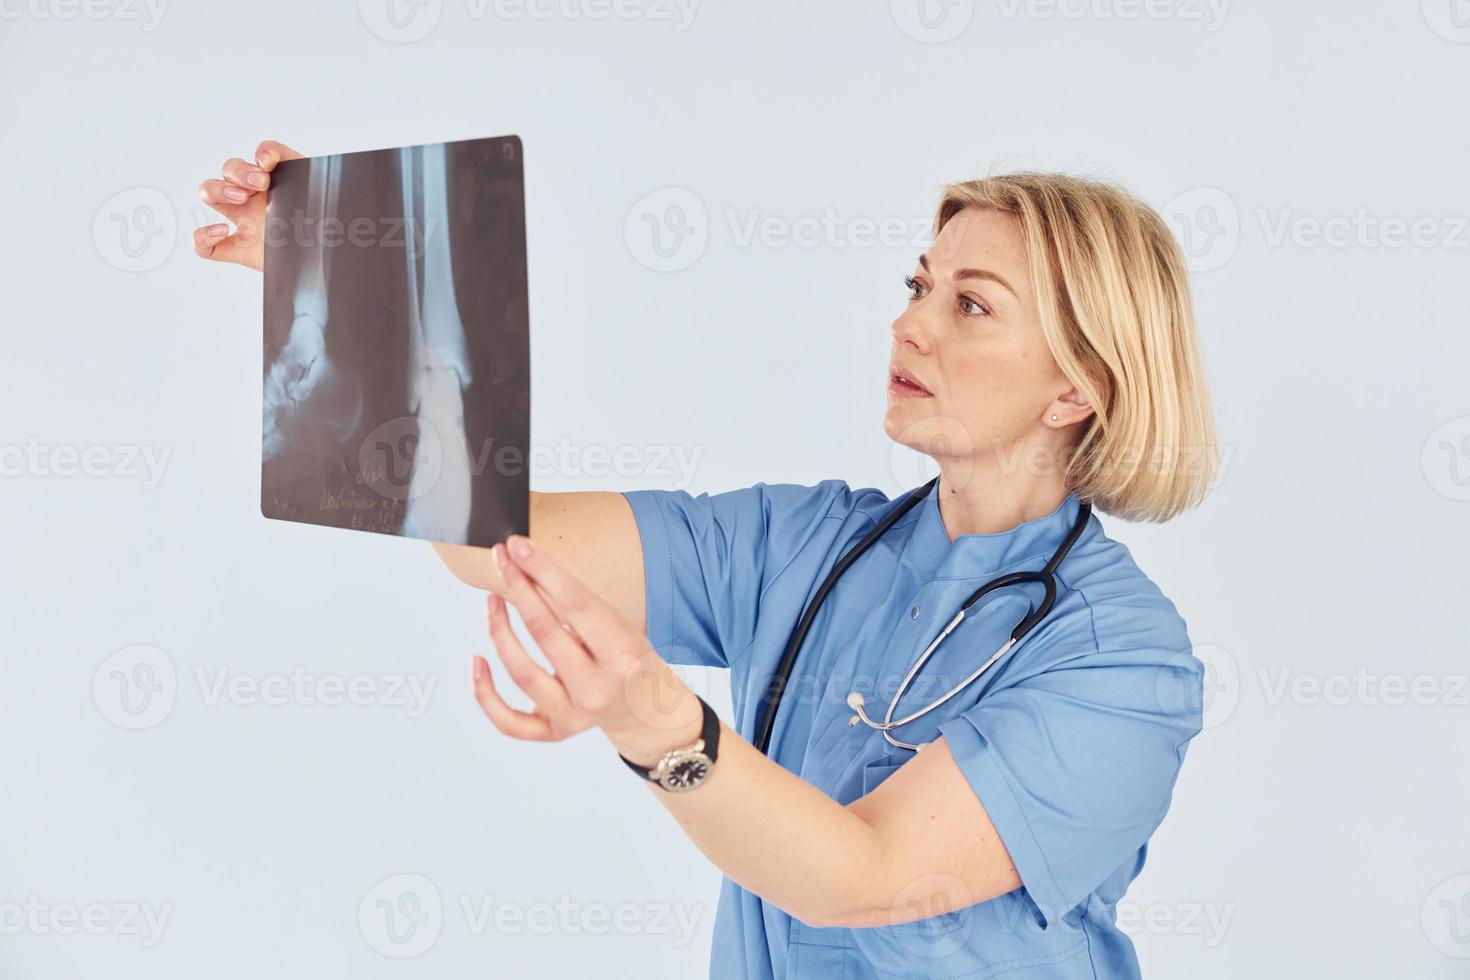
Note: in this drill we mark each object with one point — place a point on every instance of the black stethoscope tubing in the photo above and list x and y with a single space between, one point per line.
776 689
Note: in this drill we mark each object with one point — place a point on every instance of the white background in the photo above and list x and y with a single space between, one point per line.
1319 824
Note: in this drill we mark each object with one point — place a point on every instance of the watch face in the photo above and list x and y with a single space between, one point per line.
685 771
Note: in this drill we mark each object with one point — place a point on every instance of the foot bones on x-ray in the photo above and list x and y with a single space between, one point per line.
303 367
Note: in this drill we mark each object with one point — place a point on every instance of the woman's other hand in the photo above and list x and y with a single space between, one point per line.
239 194
604 674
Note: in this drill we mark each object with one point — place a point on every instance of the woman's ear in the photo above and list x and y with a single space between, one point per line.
1066 409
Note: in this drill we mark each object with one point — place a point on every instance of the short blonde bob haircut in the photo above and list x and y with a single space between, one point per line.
1113 291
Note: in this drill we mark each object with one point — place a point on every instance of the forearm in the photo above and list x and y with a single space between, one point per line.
772 832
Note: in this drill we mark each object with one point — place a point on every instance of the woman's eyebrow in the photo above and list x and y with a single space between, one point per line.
975 274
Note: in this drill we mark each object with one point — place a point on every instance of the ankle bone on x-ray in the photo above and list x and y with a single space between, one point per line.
438 505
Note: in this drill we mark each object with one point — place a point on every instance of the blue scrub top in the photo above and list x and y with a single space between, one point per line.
1072 741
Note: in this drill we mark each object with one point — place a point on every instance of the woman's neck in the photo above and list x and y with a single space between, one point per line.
972 501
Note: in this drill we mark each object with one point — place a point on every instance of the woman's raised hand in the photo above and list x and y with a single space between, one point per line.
239 195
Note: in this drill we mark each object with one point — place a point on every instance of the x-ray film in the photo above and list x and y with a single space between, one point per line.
397 356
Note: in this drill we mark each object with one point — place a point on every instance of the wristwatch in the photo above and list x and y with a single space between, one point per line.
683 769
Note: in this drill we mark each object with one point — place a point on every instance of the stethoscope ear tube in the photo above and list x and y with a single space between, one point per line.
1040 612
1046 578
771 700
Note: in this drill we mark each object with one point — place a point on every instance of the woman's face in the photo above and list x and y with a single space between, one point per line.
971 372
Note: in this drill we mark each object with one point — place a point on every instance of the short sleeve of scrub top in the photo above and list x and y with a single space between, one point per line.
1075 765
1072 743
706 559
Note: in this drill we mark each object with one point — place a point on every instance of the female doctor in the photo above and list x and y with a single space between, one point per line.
988 702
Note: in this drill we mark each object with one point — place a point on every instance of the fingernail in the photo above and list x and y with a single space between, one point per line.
235 194
520 547
499 552
214 231
493 603
256 179
264 160
477 669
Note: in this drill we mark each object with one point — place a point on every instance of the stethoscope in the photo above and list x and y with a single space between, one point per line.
1046 578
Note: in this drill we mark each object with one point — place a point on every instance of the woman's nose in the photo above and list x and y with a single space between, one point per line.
910 329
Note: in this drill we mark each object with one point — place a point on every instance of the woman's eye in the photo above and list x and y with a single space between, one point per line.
972 307
969 305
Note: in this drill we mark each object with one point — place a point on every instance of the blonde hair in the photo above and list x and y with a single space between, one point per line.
1113 291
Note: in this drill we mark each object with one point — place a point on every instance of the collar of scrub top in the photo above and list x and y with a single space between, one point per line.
931 550
966 556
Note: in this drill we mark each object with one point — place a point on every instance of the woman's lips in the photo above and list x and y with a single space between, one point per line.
903 385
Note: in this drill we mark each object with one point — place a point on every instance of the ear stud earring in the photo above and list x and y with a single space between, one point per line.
1053 418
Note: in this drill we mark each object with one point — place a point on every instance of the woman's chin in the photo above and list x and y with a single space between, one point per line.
927 432
902 412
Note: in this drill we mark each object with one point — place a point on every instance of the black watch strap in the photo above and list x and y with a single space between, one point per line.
709 734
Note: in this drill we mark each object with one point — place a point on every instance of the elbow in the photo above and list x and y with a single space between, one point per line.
814 917
841 913
846 918
858 898
850 903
